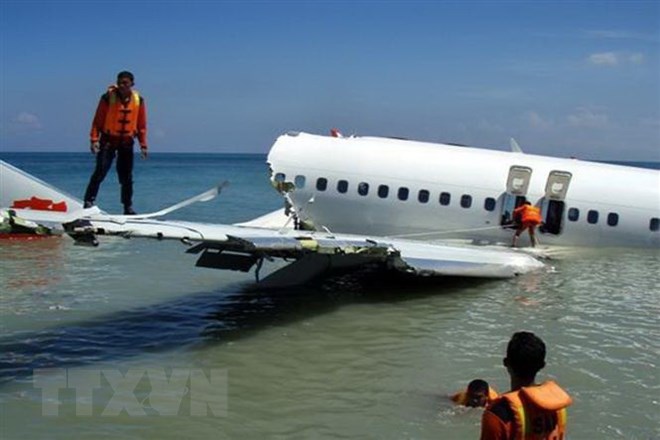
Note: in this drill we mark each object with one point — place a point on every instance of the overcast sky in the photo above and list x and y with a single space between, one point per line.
563 78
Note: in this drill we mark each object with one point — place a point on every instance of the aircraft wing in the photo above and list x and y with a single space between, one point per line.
244 246
312 253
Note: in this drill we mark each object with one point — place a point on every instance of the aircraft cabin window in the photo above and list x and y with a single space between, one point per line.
445 198
280 177
466 201
592 217
423 196
321 183
489 204
573 214
383 191
299 182
654 224
612 219
403 193
363 188
342 186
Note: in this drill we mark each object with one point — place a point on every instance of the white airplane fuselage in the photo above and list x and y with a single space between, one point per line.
392 187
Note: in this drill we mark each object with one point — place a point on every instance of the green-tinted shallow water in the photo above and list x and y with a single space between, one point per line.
374 359
342 361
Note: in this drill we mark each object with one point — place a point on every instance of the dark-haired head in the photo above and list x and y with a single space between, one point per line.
125 74
477 393
477 385
525 355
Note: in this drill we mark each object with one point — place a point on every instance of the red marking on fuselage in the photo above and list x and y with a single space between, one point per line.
40 204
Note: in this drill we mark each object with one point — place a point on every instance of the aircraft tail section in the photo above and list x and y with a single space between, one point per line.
23 192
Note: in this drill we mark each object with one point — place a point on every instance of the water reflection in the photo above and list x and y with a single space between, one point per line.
31 263
200 319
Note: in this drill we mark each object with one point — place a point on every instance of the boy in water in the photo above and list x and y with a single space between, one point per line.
478 394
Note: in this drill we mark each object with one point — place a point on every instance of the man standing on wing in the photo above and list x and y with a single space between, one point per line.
120 117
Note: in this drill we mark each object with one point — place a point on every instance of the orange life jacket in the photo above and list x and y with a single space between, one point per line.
461 398
539 411
528 214
121 118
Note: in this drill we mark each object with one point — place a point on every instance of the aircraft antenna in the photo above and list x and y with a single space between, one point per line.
514 146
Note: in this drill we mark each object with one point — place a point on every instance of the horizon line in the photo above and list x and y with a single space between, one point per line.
656 161
150 152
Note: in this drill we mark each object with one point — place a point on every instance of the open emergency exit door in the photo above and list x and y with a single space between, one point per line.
553 206
516 189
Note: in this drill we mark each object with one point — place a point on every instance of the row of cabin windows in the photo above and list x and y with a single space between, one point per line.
423 196
612 218
403 193
593 216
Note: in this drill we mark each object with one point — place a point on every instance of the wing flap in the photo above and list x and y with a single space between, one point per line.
468 260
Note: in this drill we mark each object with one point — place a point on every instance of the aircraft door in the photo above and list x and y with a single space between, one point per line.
516 189
553 205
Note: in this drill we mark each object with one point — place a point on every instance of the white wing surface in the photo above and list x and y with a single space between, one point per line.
240 247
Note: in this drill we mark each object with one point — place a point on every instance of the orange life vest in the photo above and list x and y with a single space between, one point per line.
121 118
528 214
461 398
539 412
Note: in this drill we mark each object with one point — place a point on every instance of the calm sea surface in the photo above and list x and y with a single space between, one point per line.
126 329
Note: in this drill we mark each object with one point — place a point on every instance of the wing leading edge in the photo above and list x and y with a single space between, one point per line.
311 254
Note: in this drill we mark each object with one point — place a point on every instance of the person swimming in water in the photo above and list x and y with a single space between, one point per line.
477 394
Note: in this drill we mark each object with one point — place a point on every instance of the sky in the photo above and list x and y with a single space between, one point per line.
564 78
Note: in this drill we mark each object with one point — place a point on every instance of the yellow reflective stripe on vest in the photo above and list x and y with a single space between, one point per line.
134 95
562 418
522 422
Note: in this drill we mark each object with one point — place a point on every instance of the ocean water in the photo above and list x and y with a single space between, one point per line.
122 332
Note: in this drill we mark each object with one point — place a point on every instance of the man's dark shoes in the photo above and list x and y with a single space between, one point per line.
129 211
